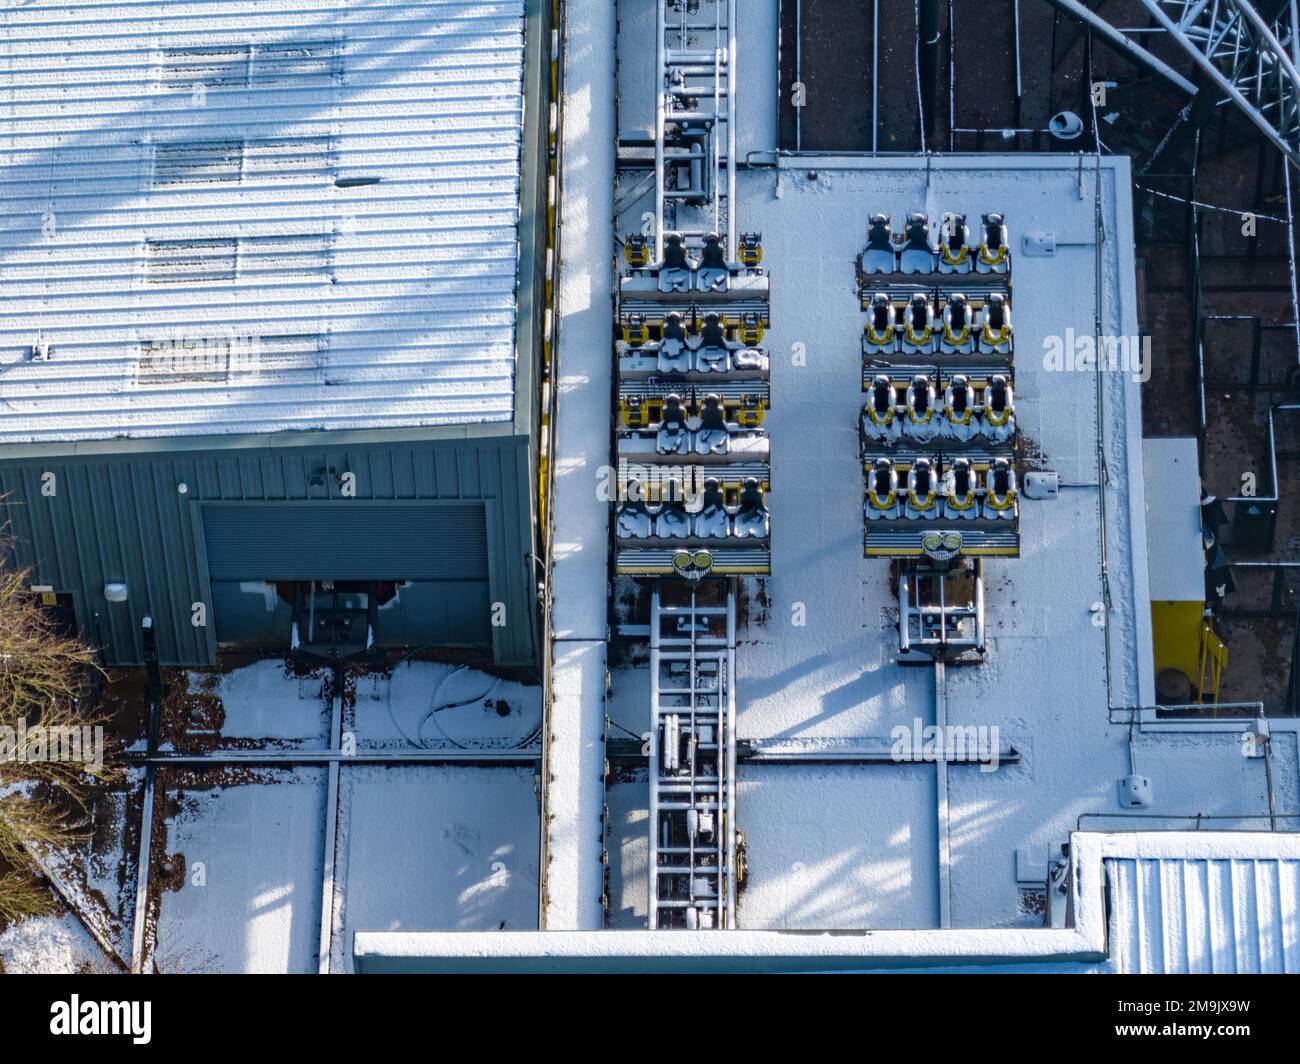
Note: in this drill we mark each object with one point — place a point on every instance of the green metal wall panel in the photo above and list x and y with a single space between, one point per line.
86 520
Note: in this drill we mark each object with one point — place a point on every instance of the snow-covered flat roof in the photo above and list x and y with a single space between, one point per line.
923 845
257 216
412 845
1068 681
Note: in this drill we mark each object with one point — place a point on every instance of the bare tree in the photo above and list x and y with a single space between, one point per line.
46 691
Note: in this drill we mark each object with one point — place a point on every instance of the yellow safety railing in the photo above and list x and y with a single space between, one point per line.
1213 660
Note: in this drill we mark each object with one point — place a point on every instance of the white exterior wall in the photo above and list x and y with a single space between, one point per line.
574 873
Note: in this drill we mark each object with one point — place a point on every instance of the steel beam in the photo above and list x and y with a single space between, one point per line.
331 829
513 756
1237 48
1131 51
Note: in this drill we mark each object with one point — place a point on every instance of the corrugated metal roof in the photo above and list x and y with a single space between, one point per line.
1191 914
257 215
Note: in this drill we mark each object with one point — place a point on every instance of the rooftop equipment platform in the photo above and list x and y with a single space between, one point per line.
938 430
854 843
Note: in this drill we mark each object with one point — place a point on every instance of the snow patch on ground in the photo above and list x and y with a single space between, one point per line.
263 701
437 706
49 945
250 896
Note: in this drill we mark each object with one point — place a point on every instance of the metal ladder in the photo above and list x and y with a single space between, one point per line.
693 840
695 121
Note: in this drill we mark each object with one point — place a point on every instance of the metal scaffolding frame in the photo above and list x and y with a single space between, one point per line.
692 752
1247 54
695 118
694 863
1238 49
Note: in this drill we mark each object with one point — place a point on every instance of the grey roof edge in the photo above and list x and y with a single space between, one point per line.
534 176
1083 944
784 950
152 445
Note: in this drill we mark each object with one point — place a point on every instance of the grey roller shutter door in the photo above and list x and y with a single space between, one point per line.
346 541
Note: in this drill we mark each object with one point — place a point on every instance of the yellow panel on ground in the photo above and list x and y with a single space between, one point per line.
1176 636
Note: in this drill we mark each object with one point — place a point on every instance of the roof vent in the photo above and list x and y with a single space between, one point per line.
41 351
1065 125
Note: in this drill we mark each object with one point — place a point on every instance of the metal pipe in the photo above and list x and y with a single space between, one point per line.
1268 780
139 944
661 30
733 80
1196 818
331 827
864 750
1103 472
798 75
875 72
952 79
138 941
904 603
652 906
729 880
1272 452
1015 25
941 795
516 756
1295 33
920 106
930 36
1208 207
1291 266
